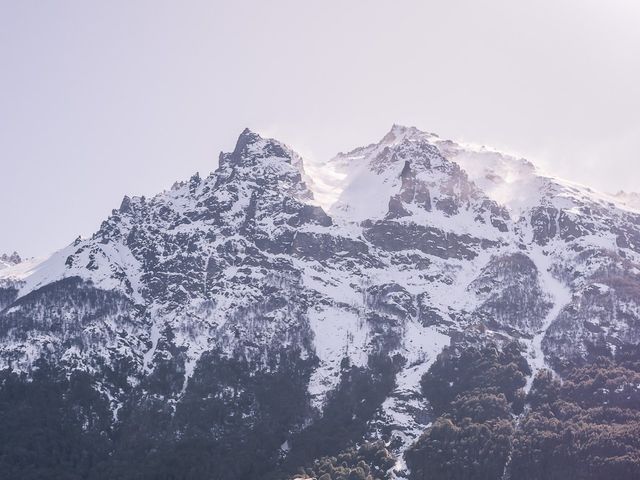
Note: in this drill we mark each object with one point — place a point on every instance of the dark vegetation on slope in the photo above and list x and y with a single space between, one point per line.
475 391
370 461
234 416
230 423
348 411
585 428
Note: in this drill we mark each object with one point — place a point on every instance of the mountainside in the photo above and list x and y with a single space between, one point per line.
235 308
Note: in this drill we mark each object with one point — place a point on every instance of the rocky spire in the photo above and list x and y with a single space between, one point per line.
8 260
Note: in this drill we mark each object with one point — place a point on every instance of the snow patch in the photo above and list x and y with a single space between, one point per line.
560 295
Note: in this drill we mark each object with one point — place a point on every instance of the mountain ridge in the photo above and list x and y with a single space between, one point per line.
430 244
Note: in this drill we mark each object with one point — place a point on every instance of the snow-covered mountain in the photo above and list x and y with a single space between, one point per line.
428 243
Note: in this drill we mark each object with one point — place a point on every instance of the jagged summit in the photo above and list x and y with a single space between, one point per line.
11 259
400 132
246 139
251 146
382 179
397 132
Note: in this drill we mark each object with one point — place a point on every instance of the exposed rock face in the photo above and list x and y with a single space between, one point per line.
7 260
603 315
511 296
393 236
428 242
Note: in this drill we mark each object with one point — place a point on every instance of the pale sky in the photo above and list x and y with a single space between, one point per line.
99 99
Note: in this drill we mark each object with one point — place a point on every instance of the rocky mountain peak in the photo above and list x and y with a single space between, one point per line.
251 147
406 176
8 260
398 133
264 163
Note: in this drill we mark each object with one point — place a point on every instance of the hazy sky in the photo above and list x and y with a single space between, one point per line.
99 99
